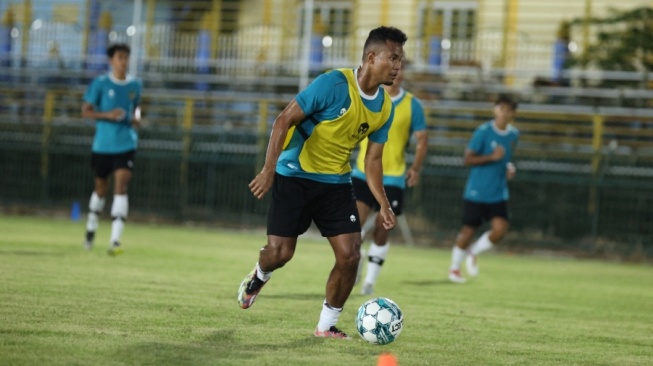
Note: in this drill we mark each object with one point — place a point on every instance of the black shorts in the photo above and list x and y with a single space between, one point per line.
105 164
364 194
476 213
298 201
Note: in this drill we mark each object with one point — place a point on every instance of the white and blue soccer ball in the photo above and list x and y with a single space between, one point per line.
379 321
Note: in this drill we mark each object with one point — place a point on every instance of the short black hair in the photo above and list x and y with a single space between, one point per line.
383 34
118 47
507 100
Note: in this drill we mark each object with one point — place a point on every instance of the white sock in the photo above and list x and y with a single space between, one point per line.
119 211
95 206
263 276
482 244
457 257
376 256
328 317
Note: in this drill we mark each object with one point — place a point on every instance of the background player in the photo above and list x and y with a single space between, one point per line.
112 100
489 153
409 120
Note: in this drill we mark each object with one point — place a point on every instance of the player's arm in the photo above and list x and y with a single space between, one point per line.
88 111
290 116
412 175
471 158
374 177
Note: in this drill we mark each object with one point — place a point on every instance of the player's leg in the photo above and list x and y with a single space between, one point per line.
498 214
346 248
380 246
288 217
365 203
472 219
101 167
275 254
123 164
337 218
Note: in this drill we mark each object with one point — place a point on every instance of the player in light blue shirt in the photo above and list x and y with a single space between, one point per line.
489 153
112 101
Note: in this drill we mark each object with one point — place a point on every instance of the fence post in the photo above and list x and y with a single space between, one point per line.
262 134
597 141
48 112
185 152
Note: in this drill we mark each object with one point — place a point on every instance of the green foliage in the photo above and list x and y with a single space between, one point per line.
171 300
623 41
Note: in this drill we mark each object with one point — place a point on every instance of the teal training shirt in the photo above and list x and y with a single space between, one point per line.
105 94
487 183
327 103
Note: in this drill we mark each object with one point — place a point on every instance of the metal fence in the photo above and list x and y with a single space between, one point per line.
583 183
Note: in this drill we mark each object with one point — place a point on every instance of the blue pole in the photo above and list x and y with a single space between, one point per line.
317 53
203 57
560 55
435 51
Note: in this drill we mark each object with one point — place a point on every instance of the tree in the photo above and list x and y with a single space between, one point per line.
623 43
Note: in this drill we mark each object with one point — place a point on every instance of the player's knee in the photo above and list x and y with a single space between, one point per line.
350 258
279 253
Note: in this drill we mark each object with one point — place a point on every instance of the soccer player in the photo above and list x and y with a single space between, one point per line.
307 168
409 120
112 100
489 154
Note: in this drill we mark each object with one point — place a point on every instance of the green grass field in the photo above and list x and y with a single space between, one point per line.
171 300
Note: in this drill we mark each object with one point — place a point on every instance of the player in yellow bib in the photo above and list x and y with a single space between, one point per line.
307 168
409 120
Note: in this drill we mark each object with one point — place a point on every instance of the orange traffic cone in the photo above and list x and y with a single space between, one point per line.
387 359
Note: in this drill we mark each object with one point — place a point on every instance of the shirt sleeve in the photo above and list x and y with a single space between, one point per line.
380 136
93 93
476 143
139 89
418 122
319 94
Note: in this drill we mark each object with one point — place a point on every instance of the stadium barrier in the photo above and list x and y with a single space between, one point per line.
583 174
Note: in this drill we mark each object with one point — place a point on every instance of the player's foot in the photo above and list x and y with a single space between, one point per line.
454 276
333 332
249 289
471 264
88 243
115 249
361 264
367 289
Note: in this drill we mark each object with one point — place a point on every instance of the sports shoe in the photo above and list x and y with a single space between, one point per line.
367 289
115 249
454 276
333 332
471 265
361 263
249 289
88 243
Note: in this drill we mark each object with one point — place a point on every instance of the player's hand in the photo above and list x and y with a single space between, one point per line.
261 184
117 114
511 171
498 153
412 177
388 217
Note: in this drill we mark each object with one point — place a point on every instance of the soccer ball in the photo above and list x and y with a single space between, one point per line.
379 321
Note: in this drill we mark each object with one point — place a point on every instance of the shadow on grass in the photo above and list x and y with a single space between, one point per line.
33 253
222 347
428 282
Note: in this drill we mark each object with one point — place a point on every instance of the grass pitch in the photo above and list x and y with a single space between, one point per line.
171 300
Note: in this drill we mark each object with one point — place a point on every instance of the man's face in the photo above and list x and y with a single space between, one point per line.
119 62
503 113
387 62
